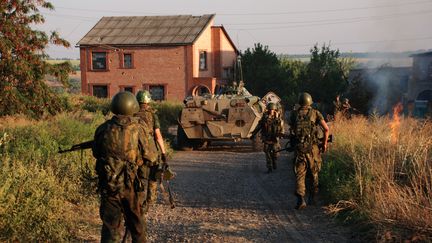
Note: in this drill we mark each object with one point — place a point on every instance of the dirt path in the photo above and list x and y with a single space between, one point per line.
224 195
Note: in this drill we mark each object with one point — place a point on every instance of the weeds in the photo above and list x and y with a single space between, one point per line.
386 177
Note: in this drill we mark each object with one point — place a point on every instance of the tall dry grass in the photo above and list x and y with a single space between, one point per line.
389 181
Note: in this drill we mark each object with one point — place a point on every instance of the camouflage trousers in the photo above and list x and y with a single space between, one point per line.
271 154
127 205
152 187
307 167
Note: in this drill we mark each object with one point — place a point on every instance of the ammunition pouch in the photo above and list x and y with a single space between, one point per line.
141 180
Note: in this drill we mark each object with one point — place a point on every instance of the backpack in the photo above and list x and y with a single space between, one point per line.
120 145
304 130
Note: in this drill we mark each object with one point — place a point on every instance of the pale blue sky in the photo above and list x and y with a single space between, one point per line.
286 26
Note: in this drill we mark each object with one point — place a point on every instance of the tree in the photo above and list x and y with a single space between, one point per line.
261 70
326 74
22 60
294 72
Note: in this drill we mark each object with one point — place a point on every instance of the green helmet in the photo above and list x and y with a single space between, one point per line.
124 103
305 99
143 97
271 106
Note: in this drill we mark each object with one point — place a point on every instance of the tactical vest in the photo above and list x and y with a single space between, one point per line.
272 127
146 117
121 148
305 130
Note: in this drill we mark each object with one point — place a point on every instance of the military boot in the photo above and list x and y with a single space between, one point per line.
311 199
269 170
301 203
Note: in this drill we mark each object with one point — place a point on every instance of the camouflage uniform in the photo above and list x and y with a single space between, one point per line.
122 158
271 128
148 116
307 157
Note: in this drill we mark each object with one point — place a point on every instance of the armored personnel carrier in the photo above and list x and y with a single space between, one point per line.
230 116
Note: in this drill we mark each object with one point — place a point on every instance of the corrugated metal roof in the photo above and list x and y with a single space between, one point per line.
147 30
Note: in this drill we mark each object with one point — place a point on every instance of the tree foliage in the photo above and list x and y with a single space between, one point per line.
326 74
22 60
261 70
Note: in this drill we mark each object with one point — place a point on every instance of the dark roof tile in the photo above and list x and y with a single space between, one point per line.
147 30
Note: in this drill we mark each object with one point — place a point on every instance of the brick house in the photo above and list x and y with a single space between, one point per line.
171 56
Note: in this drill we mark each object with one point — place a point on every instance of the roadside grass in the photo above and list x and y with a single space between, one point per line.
372 176
42 193
38 186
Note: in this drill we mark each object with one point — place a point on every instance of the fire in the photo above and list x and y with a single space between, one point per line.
395 123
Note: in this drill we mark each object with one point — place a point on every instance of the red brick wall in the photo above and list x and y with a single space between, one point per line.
151 66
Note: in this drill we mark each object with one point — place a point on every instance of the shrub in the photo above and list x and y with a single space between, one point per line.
384 173
41 190
168 113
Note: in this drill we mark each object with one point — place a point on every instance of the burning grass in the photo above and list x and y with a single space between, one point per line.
382 169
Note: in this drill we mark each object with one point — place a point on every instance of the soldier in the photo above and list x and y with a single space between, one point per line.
148 116
271 127
346 109
122 148
336 105
304 125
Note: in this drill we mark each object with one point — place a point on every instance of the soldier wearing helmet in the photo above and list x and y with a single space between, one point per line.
305 123
122 165
271 127
148 116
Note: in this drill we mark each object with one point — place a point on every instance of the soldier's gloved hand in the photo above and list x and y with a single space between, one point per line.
164 158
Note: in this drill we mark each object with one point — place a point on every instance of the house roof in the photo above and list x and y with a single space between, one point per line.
423 54
147 30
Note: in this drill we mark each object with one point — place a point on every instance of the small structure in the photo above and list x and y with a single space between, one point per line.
171 56
420 84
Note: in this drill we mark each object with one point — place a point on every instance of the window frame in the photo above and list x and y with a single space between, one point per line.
206 60
122 60
231 72
123 88
106 61
101 84
165 89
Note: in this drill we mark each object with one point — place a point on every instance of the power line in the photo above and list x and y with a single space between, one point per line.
260 13
341 21
332 20
328 10
358 42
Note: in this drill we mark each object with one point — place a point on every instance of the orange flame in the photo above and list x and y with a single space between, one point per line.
395 123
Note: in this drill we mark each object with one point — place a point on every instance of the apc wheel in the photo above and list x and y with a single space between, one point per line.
183 142
200 144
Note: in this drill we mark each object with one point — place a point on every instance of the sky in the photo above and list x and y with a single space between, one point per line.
285 26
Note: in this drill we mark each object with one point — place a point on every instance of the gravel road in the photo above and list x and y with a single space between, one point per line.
224 194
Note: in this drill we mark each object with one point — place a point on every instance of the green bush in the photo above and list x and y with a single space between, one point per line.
168 113
39 187
94 104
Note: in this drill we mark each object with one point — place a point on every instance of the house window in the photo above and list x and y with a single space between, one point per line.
100 91
99 61
129 89
227 73
157 92
127 60
203 60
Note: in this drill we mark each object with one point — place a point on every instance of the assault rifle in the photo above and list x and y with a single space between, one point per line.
290 145
166 175
80 146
